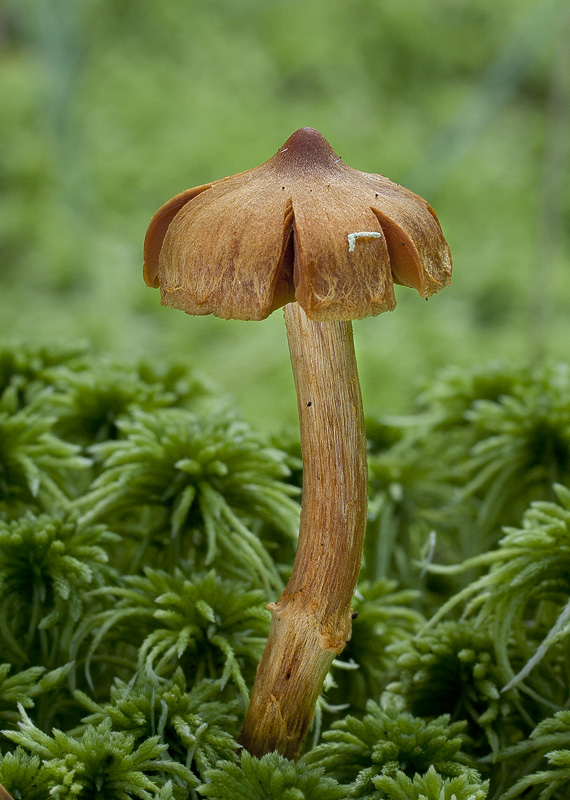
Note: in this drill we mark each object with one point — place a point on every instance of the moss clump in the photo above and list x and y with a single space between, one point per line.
144 527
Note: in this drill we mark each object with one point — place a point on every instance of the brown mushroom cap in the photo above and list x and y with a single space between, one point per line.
303 226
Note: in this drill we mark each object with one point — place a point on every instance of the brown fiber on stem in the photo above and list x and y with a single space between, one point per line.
311 623
328 242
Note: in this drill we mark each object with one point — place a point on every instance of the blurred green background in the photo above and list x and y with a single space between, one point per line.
110 107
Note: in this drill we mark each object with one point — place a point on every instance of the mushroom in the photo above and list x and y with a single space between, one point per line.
327 242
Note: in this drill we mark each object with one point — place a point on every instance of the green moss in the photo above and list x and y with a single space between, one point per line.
269 778
136 562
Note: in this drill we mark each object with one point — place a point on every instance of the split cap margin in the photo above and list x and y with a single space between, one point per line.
301 227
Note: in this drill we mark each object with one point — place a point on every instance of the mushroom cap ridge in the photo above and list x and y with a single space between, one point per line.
301 227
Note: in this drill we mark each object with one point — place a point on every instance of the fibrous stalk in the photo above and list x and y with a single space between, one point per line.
311 622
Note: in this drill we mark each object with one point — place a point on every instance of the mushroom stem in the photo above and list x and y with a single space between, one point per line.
311 622
4 794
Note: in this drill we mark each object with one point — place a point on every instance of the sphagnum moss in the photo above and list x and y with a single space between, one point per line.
153 728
